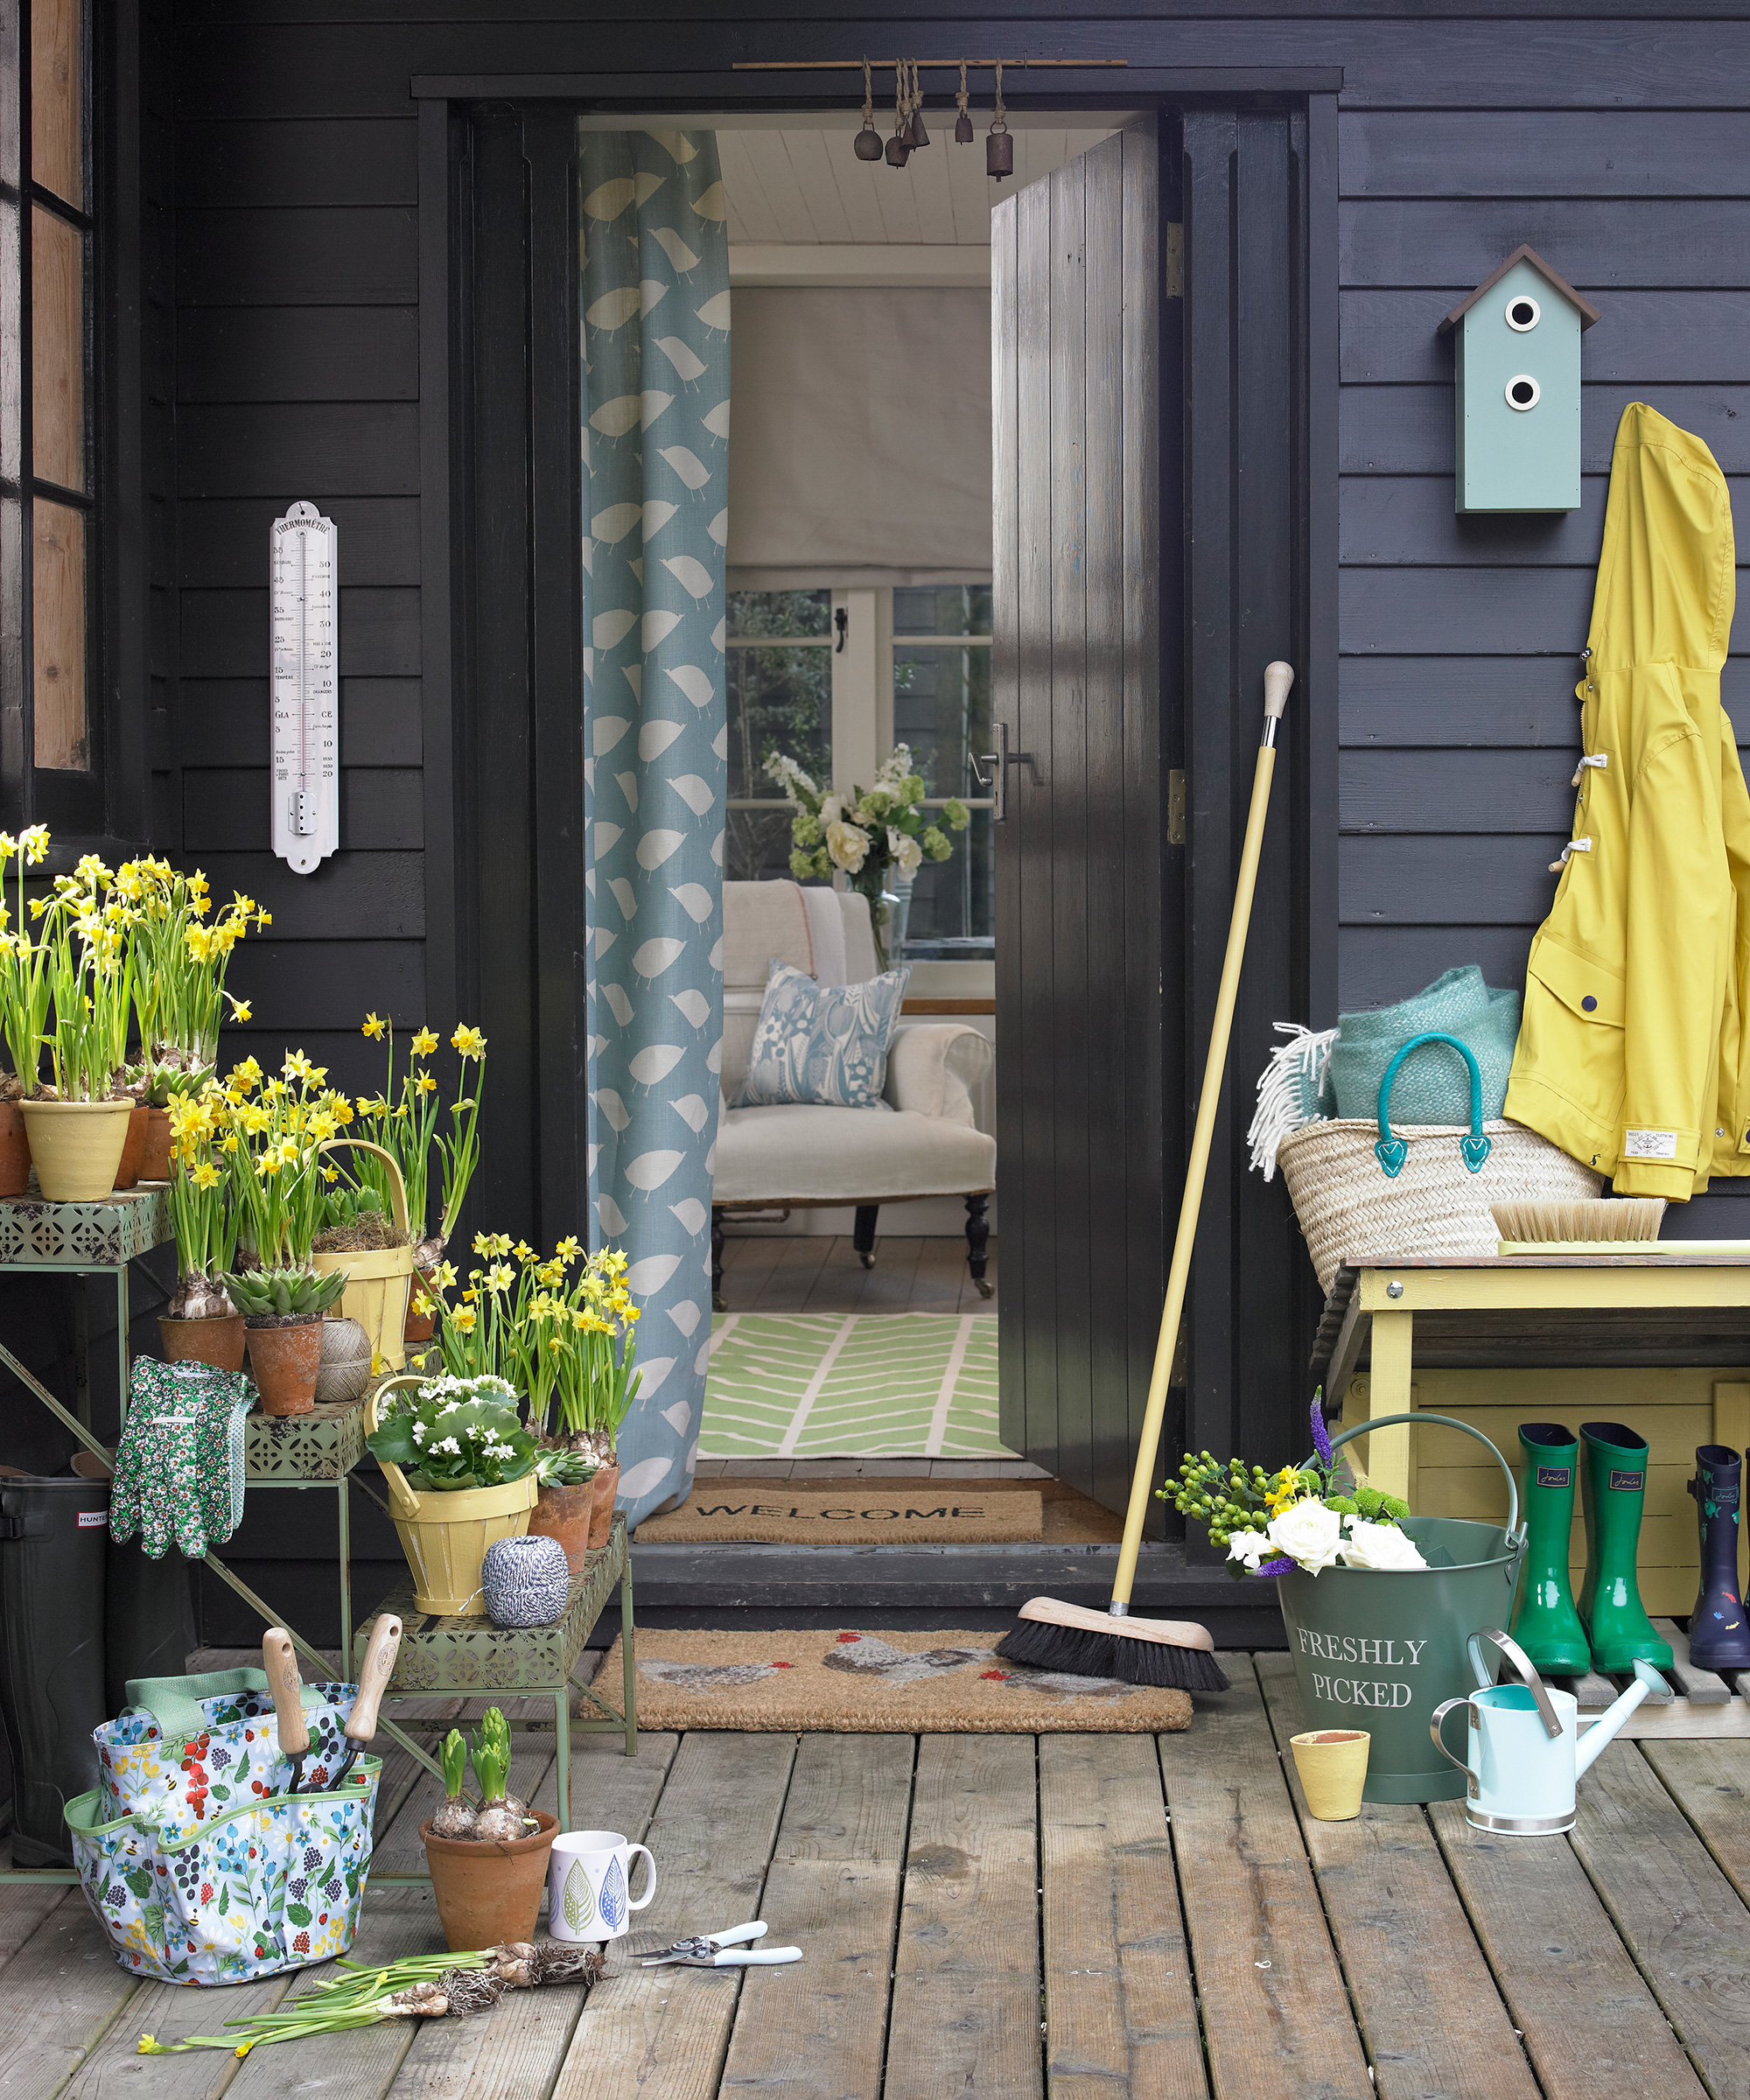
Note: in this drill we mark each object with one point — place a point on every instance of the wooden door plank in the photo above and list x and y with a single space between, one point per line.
966 1982
887 1287
1592 2027
1275 2012
59 1994
520 2045
1710 1782
792 1275
940 1276
1120 2010
1432 2018
832 1889
650 2031
1680 1917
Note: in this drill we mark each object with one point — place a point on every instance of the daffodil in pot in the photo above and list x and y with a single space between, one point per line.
872 835
461 1473
202 1326
78 1122
24 1006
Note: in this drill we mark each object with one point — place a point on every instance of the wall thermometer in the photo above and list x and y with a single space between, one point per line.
306 698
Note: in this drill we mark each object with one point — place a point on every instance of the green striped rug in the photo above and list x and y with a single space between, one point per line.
866 1385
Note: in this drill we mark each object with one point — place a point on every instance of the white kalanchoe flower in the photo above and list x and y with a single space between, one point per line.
419 1433
450 1444
1309 1534
1379 1546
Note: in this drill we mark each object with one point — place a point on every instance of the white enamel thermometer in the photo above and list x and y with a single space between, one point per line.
306 695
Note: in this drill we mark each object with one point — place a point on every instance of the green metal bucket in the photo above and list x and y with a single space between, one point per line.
1380 1651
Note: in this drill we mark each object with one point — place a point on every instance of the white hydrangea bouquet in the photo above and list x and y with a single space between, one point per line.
1301 1517
863 833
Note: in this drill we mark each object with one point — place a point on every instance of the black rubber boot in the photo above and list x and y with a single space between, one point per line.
148 1610
1719 1638
52 1568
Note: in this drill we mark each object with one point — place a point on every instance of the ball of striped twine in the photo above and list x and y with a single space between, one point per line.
524 1581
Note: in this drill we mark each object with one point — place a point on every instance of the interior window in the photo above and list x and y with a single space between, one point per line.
795 687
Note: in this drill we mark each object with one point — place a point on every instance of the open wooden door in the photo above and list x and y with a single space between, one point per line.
1080 864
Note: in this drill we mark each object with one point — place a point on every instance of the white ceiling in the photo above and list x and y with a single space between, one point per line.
793 187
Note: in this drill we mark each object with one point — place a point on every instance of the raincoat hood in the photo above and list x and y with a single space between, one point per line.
1632 1054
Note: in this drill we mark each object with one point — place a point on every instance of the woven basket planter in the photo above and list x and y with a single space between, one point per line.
1351 1212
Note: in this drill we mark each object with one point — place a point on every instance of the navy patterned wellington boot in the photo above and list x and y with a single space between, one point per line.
1720 1635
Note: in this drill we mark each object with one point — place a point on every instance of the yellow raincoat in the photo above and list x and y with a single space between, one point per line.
1633 1053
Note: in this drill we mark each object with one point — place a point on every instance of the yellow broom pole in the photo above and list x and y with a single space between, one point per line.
1277 678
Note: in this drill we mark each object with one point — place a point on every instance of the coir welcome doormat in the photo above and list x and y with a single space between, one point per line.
778 1515
879 1683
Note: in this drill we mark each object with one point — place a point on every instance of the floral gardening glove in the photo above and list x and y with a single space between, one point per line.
179 1473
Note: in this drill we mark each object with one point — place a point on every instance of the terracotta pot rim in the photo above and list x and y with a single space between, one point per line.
195 1320
477 1848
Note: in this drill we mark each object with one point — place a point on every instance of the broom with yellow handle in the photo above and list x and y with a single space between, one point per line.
1072 1637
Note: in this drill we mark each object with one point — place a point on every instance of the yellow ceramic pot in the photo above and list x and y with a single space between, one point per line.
76 1146
1333 1764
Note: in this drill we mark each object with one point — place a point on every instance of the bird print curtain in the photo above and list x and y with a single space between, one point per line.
656 446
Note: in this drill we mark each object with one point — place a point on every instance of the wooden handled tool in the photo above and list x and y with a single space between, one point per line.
281 1665
379 1667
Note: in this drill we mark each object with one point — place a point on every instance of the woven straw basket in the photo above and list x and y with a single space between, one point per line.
1350 1211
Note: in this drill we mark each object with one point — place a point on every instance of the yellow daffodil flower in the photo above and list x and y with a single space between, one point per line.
424 1043
373 1027
469 1041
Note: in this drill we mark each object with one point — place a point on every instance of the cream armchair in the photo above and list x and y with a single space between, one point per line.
924 1143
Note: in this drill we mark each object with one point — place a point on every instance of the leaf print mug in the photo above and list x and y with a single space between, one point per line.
589 1885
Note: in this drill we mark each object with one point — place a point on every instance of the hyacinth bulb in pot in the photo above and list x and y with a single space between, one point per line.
488 1868
202 1326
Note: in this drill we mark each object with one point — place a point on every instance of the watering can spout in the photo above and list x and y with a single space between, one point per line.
1604 1727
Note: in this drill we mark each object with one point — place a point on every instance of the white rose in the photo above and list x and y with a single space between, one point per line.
1381 1546
1249 1547
908 855
1309 1533
848 845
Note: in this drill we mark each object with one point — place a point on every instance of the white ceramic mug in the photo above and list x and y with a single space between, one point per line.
589 1885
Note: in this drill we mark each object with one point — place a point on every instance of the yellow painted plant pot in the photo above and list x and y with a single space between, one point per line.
380 1281
76 1146
445 1536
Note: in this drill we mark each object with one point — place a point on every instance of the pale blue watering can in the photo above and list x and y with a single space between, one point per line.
1524 1754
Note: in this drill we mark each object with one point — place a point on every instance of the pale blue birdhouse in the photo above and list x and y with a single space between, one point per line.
1518 388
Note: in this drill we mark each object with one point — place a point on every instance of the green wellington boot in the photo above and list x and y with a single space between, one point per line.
1545 1623
1612 1489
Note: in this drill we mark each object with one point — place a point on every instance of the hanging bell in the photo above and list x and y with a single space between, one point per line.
867 144
898 150
999 154
917 135
963 129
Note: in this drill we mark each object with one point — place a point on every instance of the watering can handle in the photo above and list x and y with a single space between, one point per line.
1446 1422
1523 1663
1435 1720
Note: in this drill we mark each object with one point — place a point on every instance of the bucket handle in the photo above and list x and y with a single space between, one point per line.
399 1490
1392 1152
397 1188
1445 1422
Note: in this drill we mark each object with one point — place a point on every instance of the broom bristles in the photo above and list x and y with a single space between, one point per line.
1037 1644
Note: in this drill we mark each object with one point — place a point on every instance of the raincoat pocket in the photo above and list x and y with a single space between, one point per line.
1570 1050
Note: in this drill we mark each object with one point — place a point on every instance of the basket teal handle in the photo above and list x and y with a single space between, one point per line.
1445 1422
1392 1152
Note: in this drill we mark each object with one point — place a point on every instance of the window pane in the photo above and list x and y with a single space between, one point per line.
941 708
57 614
954 907
944 609
56 116
57 350
786 612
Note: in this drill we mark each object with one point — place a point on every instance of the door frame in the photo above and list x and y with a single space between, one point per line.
541 1182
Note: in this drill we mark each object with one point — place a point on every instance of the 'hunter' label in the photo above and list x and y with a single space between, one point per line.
1649 1145
1555 1476
89 1520
1632 1483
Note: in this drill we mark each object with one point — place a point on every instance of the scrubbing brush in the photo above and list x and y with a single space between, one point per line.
1593 1220
1071 1637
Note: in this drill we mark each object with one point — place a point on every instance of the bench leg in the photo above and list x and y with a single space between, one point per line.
628 1661
863 1232
562 1738
717 1304
977 1239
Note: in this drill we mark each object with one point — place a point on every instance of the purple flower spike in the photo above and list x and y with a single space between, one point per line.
1274 1567
1322 1440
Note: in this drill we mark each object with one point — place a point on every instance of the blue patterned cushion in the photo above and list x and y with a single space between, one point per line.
823 1045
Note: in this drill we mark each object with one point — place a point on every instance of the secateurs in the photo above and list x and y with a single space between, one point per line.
724 1950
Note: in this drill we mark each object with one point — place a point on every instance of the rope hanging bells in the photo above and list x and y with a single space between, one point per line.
999 146
867 145
910 133
899 146
918 137
963 123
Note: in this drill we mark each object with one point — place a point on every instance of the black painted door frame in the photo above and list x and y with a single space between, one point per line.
1252 458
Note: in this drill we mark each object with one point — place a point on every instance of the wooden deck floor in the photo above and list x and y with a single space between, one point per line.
1081 1916
813 1272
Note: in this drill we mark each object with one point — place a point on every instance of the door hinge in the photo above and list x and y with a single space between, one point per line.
1175 806
1172 262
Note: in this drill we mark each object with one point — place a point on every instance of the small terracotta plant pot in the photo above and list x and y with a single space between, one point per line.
488 1892
134 1151
285 1361
76 1147
155 1157
603 1488
15 1151
1333 1764
217 1342
565 1514
419 1326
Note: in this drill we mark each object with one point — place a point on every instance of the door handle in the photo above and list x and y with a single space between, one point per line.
996 778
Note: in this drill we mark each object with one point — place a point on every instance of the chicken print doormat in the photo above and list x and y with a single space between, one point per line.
879 1683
